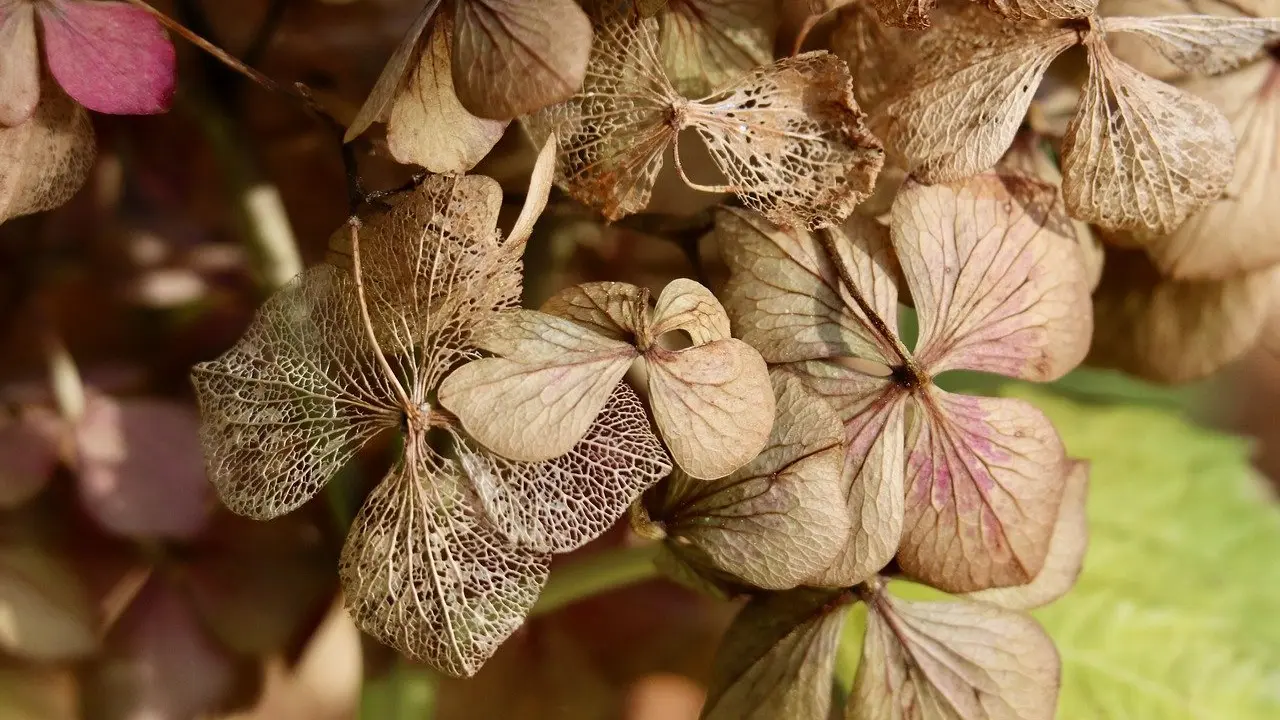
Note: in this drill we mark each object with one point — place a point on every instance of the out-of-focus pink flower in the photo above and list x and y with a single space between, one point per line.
110 57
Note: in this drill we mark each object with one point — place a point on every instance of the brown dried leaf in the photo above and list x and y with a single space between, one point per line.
428 126
985 478
514 57
45 612
904 13
1235 234
785 296
1204 44
707 43
425 572
45 160
1042 9
560 504
791 140
996 275
776 658
1141 155
393 76
959 110
19 65
1066 551
1175 331
950 660
779 520
537 399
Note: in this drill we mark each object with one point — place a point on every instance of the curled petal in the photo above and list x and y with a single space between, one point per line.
688 306
997 277
538 401
424 572
1141 155
985 478
559 504
111 57
393 75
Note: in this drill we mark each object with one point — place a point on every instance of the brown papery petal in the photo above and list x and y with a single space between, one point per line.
996 274
707 43
776 658
537 402
785 296
873 411
904 13
944 660
614 132
513 57
1042 9
713 405
985 478
290 404
1237 233
1066 551
393 75
959 110
879 57
1140 155
791 140
779 520
1205 44
424 572
19 65
1175 331
615 310
428 125
560 504
47 158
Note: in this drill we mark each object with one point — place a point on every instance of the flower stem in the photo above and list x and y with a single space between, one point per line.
595 574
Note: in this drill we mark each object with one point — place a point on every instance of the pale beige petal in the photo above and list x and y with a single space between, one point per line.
560 504
393 74
996 274
1237 233
779 520
538 401
985 478
713 405
791 140
880 57
1205 44
1066 551
285 409
613 133
873 411
776 658
959 110
1043 9
47 158
614 310
19 65
428 125
707 43
514 57
952 661
424 572
1175 331
1141 155
686 305
535 200
785 296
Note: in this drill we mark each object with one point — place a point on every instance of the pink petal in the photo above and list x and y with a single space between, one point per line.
141 468
19 66
111 57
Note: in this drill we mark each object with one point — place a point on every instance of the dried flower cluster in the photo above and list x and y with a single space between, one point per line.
779 426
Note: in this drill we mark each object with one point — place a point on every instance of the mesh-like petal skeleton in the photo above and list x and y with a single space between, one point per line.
962 489
451 549
788 136
1138 155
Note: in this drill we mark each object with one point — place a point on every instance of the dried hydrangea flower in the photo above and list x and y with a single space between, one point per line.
705 44
1138 155
779 521
434 565
975 655
962 489
788 136
462 72
109 57
554 369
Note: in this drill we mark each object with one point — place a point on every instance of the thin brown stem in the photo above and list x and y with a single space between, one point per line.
913 374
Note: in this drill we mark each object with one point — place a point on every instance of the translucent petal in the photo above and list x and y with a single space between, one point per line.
1206 44
19 65
707 43
47 158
